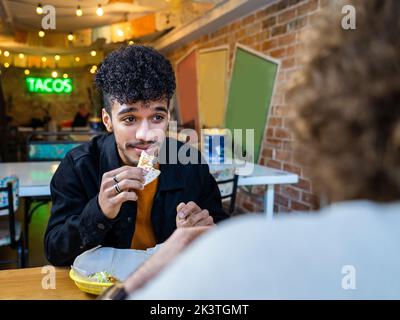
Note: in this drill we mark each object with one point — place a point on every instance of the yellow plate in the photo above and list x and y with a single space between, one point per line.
88 286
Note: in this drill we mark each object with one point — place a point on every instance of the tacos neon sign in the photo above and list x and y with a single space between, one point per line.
48 85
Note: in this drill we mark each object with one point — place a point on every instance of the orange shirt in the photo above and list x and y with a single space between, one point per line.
144 238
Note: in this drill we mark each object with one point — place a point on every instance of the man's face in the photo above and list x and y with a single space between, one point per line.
137 127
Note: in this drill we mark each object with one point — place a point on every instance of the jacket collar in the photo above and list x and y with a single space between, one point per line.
171 177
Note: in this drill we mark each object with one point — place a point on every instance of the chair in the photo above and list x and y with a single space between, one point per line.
227 181
10 229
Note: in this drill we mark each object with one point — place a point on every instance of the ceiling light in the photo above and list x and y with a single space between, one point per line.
39 9
99 10
79 11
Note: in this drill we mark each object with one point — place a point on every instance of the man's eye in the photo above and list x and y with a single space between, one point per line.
129 119
158 117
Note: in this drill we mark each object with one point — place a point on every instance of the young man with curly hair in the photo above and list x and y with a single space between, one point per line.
98 192
347 127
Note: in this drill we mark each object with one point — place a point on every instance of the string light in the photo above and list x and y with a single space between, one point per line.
131 43
65 75
44 59
54 74
6 53
39 9
93 53
6 65
99 10
79 11
120 33
41 33
21 55
57 57
77 59
27 72
70 36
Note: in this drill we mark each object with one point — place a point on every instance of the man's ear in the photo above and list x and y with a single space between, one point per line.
106 120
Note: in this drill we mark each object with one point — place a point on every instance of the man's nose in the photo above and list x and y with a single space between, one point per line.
142 131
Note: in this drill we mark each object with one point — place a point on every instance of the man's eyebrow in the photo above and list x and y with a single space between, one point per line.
161 108
127 110
134 109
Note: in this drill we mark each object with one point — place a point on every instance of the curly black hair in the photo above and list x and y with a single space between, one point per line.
135 73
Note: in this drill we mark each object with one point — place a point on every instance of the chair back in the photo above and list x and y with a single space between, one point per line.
227 181
7 203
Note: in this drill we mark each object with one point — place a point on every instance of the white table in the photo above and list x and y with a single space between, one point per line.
35 179
262 175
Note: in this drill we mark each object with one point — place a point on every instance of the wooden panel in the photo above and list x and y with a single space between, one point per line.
250 93
186 77
213 69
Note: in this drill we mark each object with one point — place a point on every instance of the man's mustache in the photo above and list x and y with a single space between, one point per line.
142 143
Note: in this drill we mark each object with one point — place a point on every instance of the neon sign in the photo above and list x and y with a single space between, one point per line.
48 85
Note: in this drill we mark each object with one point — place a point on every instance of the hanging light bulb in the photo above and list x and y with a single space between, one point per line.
65 75
44 59
57 57
39 8
70 36
79 11
6 65
6 53
99 10
41 33
27 72
21 55
93 53
77 59
54 74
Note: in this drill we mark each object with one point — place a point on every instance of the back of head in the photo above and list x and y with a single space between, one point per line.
347 103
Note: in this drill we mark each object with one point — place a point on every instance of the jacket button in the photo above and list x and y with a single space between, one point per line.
130 219
101 226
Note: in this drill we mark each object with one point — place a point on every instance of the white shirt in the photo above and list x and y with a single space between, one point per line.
350 250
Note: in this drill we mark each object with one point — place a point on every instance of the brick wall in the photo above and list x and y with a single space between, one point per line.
275 31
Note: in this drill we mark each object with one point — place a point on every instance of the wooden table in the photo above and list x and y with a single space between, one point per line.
26 284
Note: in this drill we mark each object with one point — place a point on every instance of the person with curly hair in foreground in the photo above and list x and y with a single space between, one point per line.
99 193
346 121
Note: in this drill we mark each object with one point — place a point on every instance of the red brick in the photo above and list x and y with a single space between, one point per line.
307 7
286 16
274 164
311 199
298 206
293 193
270 44
304 184
282 133
283 155
292 168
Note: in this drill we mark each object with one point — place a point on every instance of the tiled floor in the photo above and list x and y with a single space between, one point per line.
37 228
